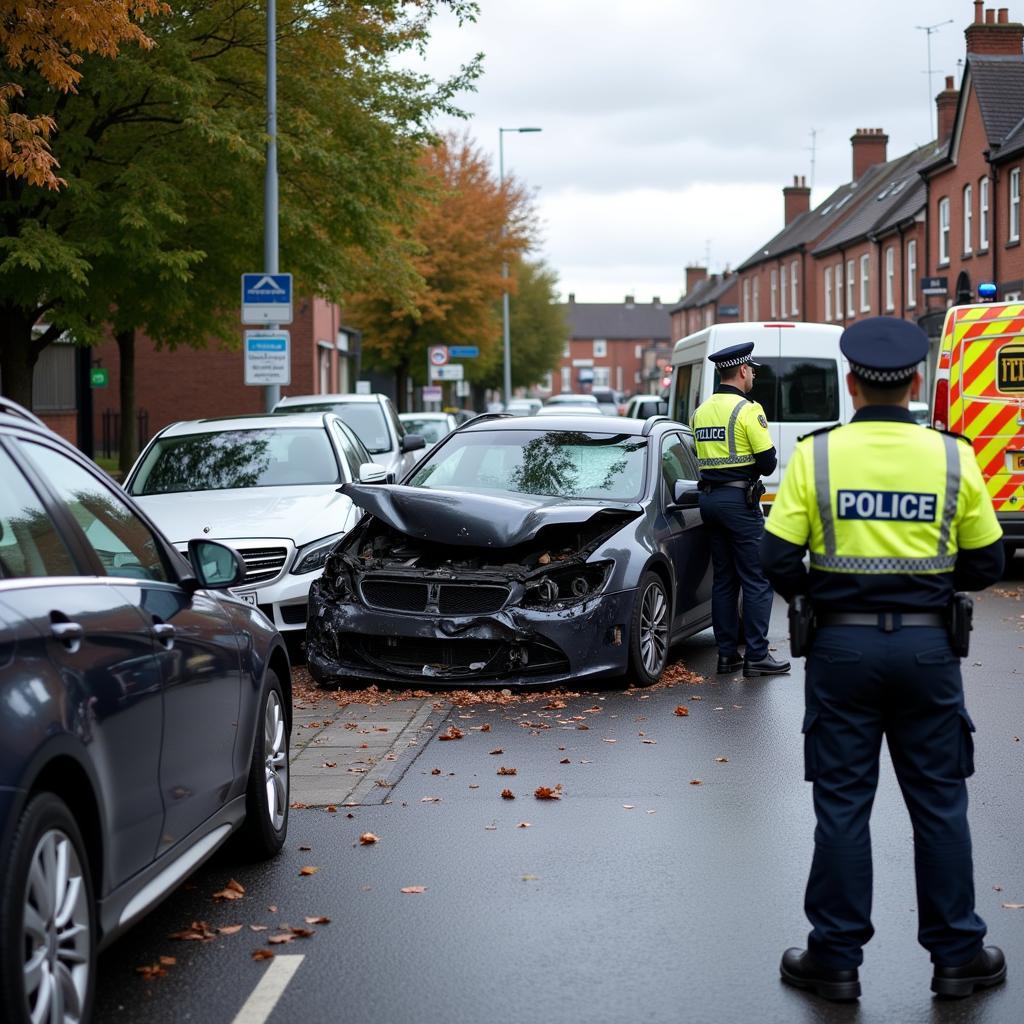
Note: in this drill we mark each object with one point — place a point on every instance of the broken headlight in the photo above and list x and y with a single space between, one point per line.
314 556
567 586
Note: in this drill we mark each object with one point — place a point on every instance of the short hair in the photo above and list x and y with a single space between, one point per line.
729 372
883 394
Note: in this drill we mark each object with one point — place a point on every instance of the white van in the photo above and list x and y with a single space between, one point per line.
801 381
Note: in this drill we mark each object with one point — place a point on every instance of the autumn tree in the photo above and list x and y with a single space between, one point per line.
50 40
465 227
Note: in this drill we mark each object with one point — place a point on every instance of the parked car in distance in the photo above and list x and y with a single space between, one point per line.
524 406
521 551
268 486
145 719
463 415
431 426
922 413
640 407
373 420
607 400
585 403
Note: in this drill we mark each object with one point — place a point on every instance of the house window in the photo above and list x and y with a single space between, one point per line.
547 384
602 376
782 292
618 378
773 287
565 351
746 299
757 298
911 286
566 378
865 283
839 291
600 348
968 219
983 214
794 304
1015 205
828 293
890 279
638 352
851 285
943 231
709 316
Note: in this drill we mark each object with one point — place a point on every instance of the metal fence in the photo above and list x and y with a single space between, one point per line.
111 442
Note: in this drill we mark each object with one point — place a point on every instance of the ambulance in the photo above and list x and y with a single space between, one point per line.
979 392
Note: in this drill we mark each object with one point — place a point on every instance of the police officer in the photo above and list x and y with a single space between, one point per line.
896 518
735 449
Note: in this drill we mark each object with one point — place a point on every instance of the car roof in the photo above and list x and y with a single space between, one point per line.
331 399
425 415
263 421
593 423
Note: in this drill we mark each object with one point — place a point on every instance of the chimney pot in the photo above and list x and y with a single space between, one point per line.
694 275
572 296
978 5
990 16
949 81
995 35
869 149
796 199
1004 15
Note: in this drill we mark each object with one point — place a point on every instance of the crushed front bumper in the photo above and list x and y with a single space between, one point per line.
346 642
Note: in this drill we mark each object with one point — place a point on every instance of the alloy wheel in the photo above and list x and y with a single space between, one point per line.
275 750
653 629
57 932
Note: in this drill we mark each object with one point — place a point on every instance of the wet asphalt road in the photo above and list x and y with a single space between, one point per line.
675 908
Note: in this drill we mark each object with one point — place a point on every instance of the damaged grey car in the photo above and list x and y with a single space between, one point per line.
520 552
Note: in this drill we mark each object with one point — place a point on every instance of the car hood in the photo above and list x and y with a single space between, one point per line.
300 514
476 520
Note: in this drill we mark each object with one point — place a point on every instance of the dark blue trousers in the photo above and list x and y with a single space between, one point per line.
735 532
863 684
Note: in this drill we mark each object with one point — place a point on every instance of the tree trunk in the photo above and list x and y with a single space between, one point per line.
18 354
128 448
401 376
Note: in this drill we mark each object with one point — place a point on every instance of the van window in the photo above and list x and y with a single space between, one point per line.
797 389
687 391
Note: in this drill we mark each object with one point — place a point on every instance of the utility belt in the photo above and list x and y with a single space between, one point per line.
957 619
753 489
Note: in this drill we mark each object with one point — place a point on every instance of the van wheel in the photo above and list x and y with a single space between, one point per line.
47 919
649 630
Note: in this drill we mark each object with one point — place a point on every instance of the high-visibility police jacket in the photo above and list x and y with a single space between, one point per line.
730 432
885 507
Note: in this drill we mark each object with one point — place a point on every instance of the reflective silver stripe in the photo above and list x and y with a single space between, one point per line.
952 491
824 493
730 430
863 563
739 460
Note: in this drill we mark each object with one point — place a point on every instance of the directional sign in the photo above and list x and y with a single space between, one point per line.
99 377
934 285
432 394
438 355
268 357
463 351
455 372
266 298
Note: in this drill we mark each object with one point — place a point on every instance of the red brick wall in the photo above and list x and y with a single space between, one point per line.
620 353
63 423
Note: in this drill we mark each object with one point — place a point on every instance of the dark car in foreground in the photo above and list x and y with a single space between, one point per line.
144 718
521 551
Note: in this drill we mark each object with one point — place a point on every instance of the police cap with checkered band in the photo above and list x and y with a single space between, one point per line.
734 355
884 350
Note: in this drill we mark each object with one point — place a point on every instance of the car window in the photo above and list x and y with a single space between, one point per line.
29 542
393 416
677 463
122 541
268 457
688 380
348 449
431 430
797 389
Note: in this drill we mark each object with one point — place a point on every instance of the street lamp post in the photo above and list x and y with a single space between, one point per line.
271 392
504 266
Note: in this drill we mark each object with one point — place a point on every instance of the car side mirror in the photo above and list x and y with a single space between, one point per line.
216 566
685 494
413 443
372 473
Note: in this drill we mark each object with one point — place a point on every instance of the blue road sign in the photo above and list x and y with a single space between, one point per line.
266 298
463 351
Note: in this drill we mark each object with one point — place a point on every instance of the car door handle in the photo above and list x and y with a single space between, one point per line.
70 634
164 633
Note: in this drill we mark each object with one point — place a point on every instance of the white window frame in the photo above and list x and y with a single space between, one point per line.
911 285
773 288
602 377
865 283
851 290
567 350
943 232
794 284
983 187
783 285
600 348
566 378
746 298
1014 205
839 290
757 298
828 294
890 279
968 219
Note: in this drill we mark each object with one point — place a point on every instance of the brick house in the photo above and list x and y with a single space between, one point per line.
708 300
612 345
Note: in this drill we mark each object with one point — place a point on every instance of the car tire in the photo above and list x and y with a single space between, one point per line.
649 630
267 793
47 918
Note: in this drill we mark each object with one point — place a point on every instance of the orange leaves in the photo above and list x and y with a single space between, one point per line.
565 760
229 929
682 711
453 732
507 771
232 891
197 931
368 839
545 793
696 782
721 760
308 870
318 919
497 751
414 890
507 794
262 954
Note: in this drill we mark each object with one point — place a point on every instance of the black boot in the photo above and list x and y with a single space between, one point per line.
799 969
988 968
767 666
729 663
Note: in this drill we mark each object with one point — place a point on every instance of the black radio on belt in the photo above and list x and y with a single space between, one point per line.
960 623
753 494
801 626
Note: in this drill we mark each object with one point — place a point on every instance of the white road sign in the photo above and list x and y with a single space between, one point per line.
438 355
454 372
266 298
268 358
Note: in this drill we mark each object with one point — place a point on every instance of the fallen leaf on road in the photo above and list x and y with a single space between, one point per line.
523 824
259 928
303 933
721 760
628 807
318 920
545 793
150 971
997 888
232 891
583 727
197 931
168 961
305 847
682 711
490 828
696 782
1013 906
430 800
453 732
498 751
414 889
435 771
507 794
486 727
280 939
507 771
367 839
565 760
331 809
272 908
649 741
230 929
609 741
262 954
308 870
329 764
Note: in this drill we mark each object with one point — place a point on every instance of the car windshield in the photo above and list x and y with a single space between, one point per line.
430 430
365 418
556 463
268 457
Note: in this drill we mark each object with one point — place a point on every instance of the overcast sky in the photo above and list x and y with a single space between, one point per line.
671 126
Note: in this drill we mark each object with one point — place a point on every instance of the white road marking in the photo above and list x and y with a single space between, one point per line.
260 1005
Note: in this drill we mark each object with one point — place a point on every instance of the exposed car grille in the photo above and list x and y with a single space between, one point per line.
262 564
294 614
463 599
429 656
396 595
419 651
